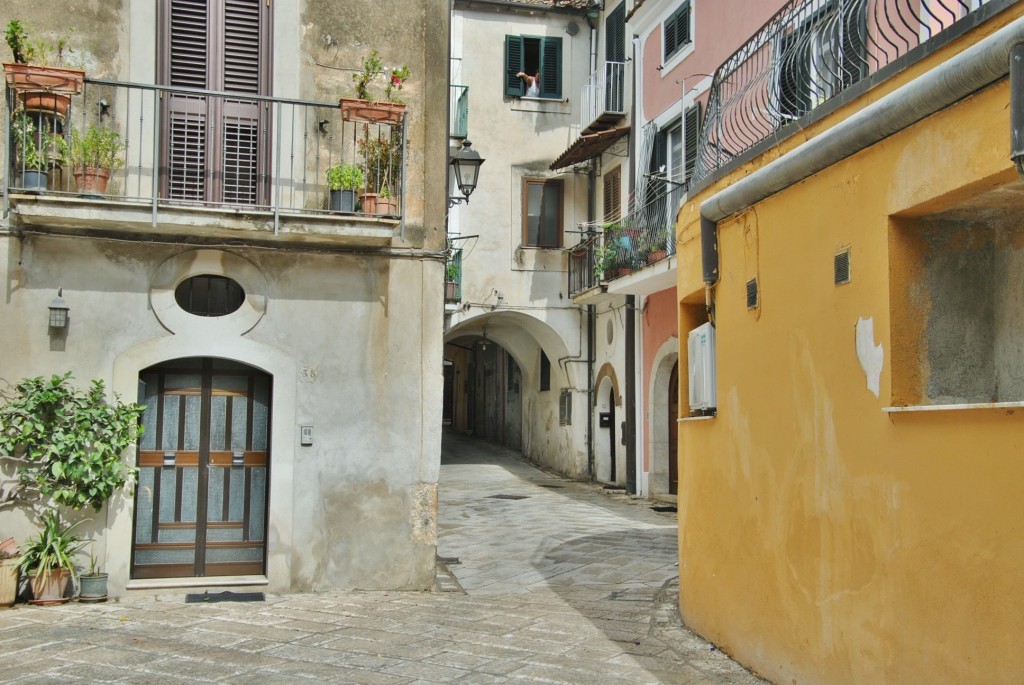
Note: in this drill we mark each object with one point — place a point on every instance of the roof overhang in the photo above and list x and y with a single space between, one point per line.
589 146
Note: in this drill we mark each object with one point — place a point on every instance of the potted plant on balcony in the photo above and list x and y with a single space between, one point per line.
49 559
652 245
36 149
92 156
382 157
41 73
343 180
451 281
364 107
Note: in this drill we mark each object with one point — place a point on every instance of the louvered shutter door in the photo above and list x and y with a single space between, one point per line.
551 68
240 119
691 138
513 65
187 115
670 37
683 25
613 195
615 35
214 148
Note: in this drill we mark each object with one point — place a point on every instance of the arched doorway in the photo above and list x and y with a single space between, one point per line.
204 457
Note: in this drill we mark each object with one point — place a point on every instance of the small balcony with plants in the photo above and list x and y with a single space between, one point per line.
87 154
453 277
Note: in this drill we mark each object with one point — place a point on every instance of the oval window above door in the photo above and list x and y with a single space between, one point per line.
209 295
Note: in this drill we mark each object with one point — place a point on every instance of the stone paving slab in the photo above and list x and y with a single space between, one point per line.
571 584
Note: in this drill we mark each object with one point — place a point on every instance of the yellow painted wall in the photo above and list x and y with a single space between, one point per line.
823 540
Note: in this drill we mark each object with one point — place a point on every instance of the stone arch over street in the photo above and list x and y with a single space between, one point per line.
511 374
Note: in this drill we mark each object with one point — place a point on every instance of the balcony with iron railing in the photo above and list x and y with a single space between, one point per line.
603 98
641 239
811 52
458 111
207 164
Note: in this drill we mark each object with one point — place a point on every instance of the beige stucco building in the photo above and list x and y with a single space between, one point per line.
288 350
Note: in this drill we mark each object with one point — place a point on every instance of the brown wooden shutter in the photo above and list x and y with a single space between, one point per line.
217 148
613 195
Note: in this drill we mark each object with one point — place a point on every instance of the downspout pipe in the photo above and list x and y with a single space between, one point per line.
978 66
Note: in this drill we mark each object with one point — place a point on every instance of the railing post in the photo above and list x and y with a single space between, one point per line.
277 173
156 153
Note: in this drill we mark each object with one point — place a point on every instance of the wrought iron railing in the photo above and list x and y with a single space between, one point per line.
458 111
807 54
191 147
453 276
603 94
614 249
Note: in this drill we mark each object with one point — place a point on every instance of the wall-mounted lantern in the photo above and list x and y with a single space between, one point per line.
59 311
467 168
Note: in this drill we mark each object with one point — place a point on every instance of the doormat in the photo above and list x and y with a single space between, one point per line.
225 596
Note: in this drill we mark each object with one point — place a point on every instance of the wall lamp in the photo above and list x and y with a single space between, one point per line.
59 311
467 168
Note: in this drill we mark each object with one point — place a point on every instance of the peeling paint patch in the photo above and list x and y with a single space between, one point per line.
424 513
869 354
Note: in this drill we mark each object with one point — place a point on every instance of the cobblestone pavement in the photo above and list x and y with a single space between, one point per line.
541 580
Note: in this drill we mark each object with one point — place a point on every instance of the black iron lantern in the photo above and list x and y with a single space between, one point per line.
467 169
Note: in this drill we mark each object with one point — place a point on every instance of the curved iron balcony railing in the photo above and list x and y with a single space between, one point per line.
807 54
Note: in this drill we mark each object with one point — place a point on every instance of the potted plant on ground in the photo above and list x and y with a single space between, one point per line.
344 180
8 572
40 74
364 107
92 156
92 585
49 559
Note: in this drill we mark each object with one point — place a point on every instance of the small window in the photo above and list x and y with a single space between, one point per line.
545 372
841 267
752 294
533 55
565 408
677 30
542 212
209 295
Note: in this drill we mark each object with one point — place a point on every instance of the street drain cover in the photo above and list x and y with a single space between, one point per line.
224 597
507 497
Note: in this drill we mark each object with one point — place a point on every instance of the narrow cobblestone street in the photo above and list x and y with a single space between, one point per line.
540 580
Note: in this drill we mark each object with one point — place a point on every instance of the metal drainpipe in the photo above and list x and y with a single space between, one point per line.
629 434
591 336
978 66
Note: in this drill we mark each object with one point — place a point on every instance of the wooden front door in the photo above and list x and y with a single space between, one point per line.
201 500
673 431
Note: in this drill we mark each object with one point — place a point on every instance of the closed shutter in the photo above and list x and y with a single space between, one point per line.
677 30
615 35
691 140
215 148
513 65
613 195
551 68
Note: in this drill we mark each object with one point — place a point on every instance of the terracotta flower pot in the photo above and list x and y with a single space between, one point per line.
369 203
387 205
656 256
371 111
48 588
91 180
46 89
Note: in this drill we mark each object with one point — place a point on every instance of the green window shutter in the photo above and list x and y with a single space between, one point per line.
551 68
677 30
615 35
514 85
691 139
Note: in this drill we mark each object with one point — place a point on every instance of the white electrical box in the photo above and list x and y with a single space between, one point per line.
700 345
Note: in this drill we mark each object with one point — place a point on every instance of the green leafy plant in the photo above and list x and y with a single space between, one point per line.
48 53
371 67
451 272
396 78
606 254
98 147
35 148
382 154
344 177
70 441
384 192
53 548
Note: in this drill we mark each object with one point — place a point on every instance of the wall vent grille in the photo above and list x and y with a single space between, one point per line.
842 266
752 293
